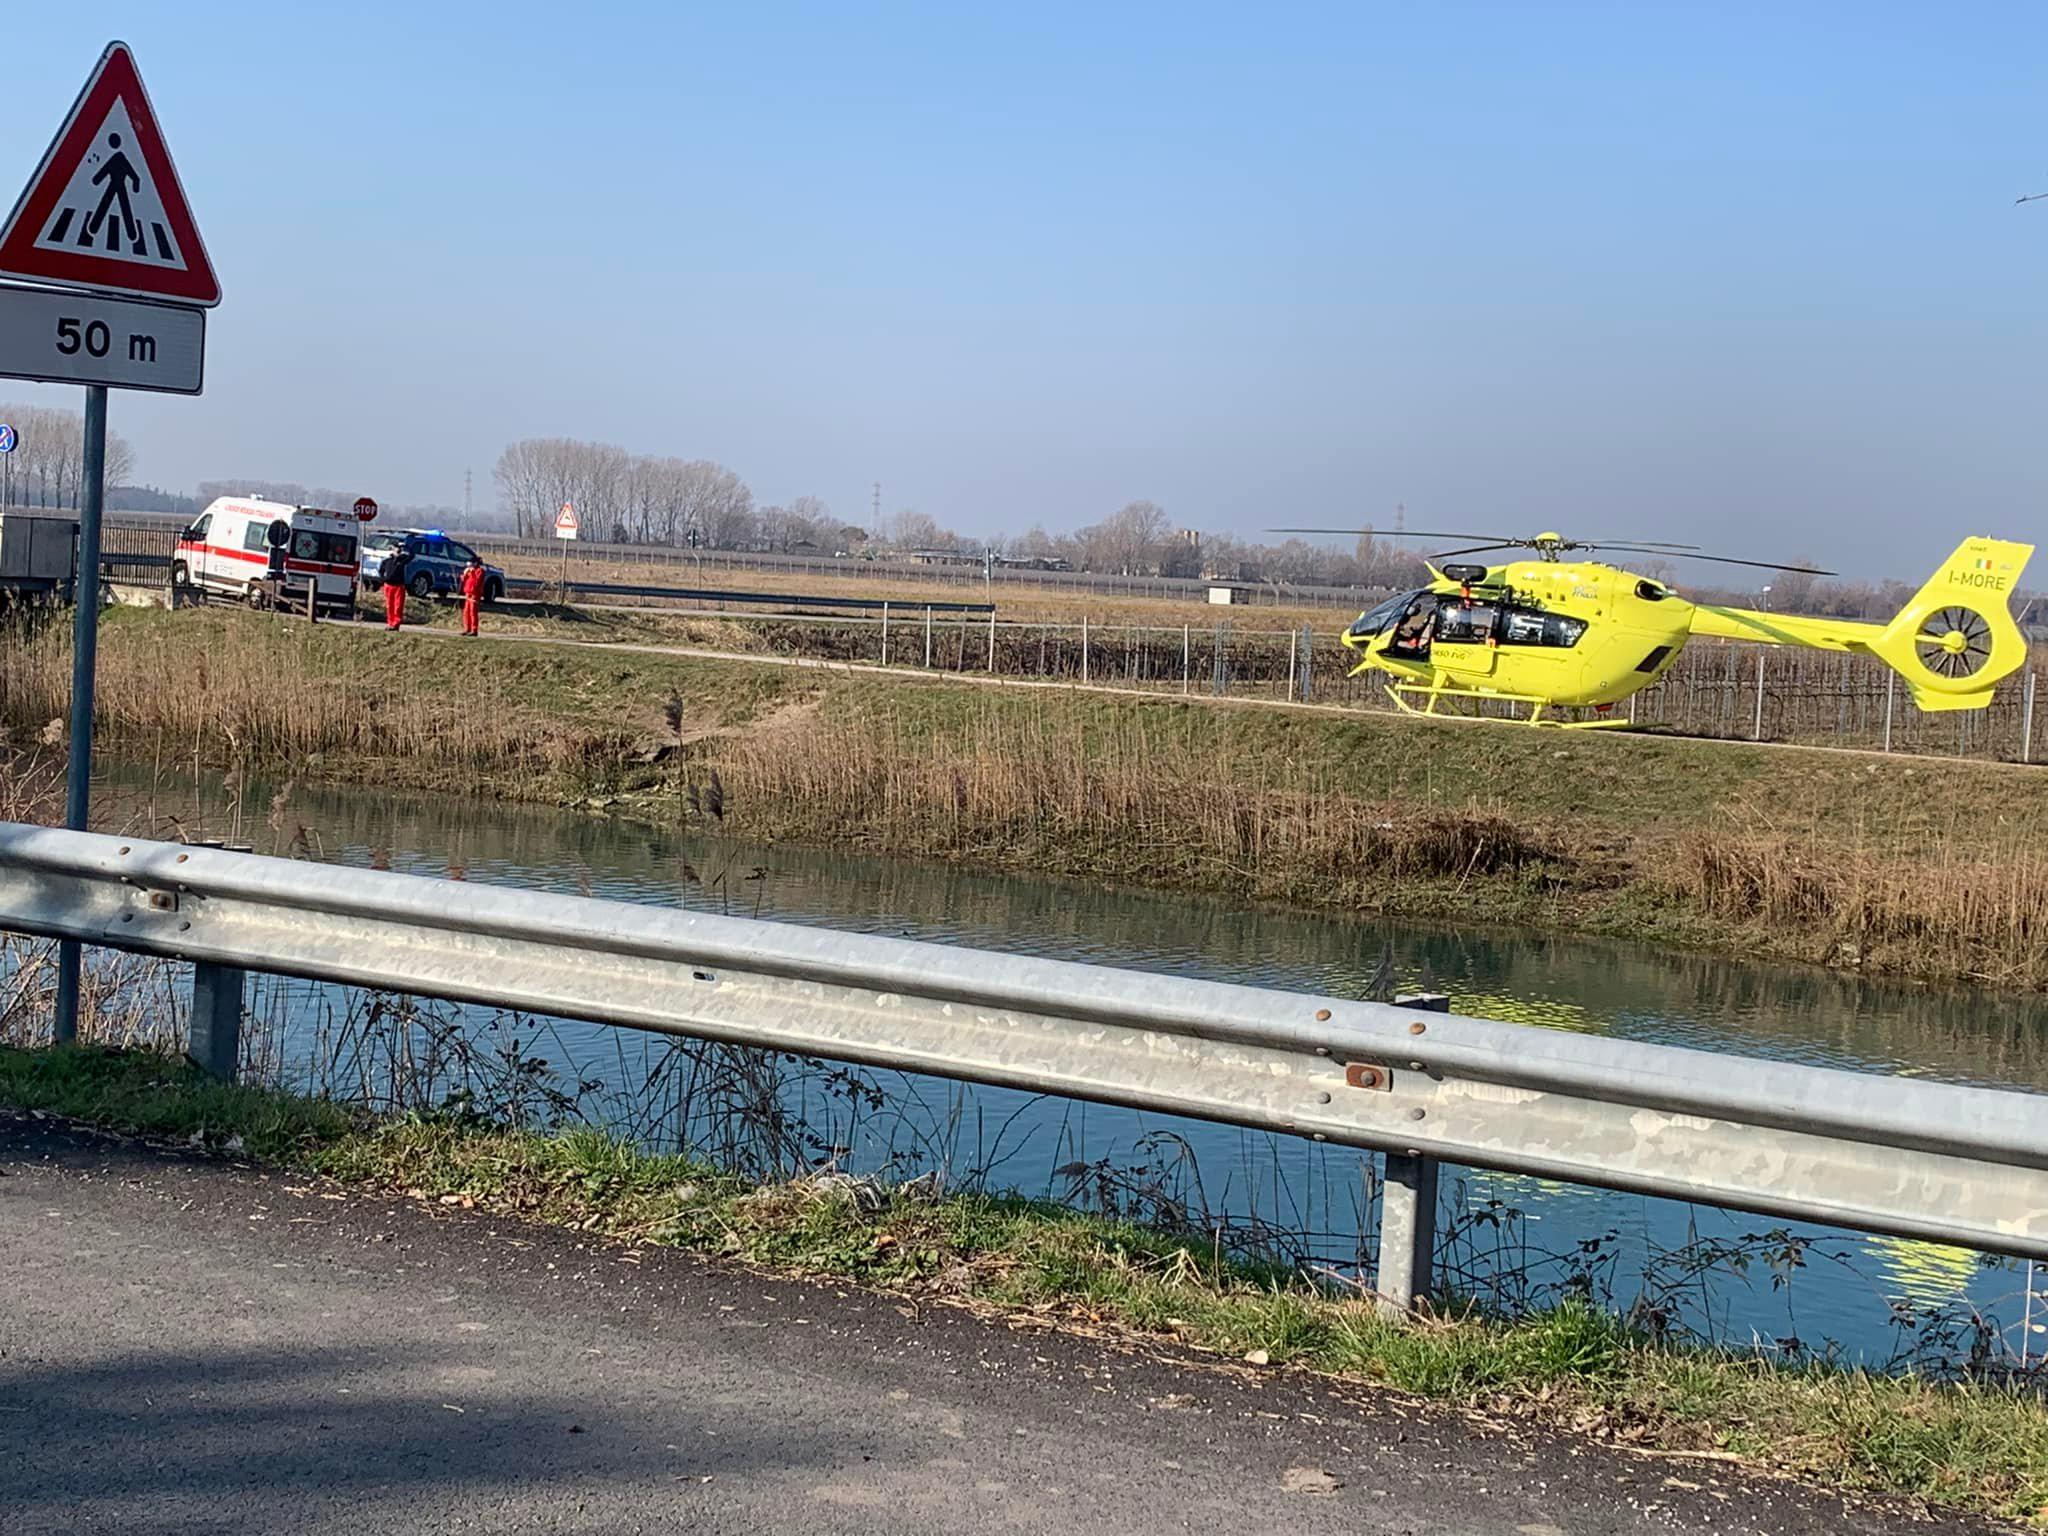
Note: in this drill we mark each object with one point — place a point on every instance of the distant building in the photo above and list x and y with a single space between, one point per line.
941 557
1182 554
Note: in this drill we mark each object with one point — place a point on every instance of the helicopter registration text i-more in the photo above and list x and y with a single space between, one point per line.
1552 632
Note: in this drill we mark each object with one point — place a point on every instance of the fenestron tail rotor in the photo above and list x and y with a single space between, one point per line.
1954 642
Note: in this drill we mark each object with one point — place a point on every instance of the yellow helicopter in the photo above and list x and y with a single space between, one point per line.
1553 633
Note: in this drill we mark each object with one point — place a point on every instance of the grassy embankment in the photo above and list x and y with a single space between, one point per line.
1909 866
1974 1445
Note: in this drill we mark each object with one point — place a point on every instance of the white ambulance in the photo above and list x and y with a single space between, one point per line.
239 542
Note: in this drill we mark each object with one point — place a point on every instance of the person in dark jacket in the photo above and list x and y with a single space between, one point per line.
393 573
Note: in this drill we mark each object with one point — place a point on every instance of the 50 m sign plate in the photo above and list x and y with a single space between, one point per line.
75 338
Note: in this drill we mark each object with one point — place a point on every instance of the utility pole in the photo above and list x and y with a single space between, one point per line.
875 528
465 498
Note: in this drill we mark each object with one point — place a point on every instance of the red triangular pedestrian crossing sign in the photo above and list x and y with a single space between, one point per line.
104 210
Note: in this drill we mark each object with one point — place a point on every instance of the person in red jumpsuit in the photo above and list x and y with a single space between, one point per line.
472 592
395 570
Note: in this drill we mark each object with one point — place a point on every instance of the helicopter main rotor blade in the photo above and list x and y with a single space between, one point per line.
1403 533
1762 565
1474 549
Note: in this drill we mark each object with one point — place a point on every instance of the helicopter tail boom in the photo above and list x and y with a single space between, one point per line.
1952 642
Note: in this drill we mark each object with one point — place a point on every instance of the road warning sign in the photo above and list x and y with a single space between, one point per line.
567 522
104 210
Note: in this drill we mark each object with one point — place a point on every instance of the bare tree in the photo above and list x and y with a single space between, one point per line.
47 468
716 502
1034 544
1127 541
1792 591
523 483
911 529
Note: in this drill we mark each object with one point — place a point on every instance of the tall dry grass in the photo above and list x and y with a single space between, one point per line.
265 695
1937 913
1122 796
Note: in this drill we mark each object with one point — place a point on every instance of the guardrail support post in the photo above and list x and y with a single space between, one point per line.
1407 1233
1407 1255
216 1042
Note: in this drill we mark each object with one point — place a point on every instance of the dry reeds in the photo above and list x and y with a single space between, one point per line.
268 694
1917 914
1128 797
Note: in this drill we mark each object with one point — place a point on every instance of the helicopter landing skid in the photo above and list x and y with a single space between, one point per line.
1431 697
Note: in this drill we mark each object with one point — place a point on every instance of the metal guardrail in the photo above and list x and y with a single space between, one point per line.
1948 1164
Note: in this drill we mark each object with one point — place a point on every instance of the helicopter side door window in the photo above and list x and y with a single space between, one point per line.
1466 623
1524 626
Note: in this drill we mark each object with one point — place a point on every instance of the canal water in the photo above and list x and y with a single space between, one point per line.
1513 1238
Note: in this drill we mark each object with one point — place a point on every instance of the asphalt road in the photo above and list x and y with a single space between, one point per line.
193 1346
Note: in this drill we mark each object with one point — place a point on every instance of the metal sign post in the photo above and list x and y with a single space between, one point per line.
85 637
567 525
102 223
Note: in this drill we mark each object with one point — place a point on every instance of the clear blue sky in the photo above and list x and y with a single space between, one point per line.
1748 273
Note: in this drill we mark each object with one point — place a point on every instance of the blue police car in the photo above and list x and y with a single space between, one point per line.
434 563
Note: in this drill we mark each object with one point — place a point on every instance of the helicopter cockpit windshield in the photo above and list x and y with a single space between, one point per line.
1412 619
1373 620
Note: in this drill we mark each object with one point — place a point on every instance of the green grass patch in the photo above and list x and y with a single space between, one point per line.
167 1096
1976 1446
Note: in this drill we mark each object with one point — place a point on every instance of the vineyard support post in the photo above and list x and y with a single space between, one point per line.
2028 689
